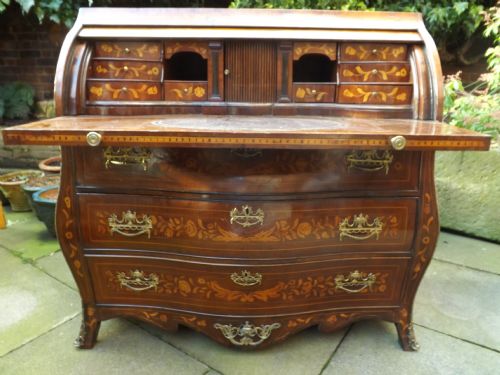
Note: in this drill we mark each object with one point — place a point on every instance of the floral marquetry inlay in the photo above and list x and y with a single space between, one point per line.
297 289
365 52
123 50
188 92
327 49
131 70
379 74
295 229
366 96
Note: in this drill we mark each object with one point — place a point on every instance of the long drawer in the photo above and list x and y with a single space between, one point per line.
247 228
248 171
246 289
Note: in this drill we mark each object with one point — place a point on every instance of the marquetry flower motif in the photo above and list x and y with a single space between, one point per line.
97 91
307 92
368 95
311 287
107 48
199 91
367 74
154 71
100 69
153 90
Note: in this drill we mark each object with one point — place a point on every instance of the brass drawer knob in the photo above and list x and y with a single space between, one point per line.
126 50
246 217
93 139
246 278
398 142
374 71
313 91
374 51
355 282
227 72
124 88
247 334
125 68
137 280
360 228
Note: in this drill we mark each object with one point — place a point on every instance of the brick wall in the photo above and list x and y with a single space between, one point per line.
29 51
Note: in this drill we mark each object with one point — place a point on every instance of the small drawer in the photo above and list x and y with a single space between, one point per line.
122 91
246 227
129 50
189 91
375 94
373 52
246 288
248 171
313 92
126 70
386 73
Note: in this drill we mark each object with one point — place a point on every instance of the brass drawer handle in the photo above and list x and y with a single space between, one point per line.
355 282
371 161
247 333
246 152
246 217
360 228
137 280
129 225
126 156
245 278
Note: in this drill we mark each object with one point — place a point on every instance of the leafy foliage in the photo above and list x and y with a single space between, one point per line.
478 108
16 100
451 23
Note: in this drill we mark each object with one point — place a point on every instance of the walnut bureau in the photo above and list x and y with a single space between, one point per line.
247 173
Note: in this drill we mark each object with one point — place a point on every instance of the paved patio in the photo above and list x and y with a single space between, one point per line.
457 317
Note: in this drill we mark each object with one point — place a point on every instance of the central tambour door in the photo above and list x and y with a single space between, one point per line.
250 71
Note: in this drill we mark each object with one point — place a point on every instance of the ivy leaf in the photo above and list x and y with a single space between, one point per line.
460 6
26 5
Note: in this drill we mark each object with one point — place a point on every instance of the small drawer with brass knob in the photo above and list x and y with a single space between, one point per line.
189 91
123 90
148 51
130 70
373 52
313 92
375 72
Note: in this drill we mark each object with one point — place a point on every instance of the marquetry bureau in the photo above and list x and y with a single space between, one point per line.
247 173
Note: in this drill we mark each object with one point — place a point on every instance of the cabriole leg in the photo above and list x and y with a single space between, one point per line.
88 330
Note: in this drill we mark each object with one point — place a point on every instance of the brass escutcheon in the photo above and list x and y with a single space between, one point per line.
129 225
355 282
246 217
137 280
360 228
126 156
246 278
247 333
370 160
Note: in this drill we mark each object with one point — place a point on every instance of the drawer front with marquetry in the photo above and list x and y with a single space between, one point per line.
374 94
375 72
248 171
123 91
186 91
246 227
129 50
373 52
129 70
313 93
246 289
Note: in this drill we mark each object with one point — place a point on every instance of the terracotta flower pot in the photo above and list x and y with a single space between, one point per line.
51 165
37 183
45 202
10 184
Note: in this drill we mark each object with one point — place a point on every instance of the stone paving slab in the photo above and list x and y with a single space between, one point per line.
460 302
122 348
31 302
303 354
470 252
26 236
371 347
55 265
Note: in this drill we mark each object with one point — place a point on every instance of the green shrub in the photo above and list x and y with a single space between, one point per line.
16 100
